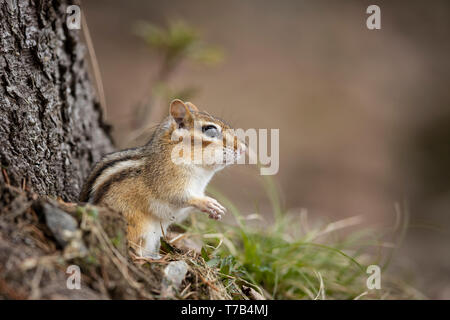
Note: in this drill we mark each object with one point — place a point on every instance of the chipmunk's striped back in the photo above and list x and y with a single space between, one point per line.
112 165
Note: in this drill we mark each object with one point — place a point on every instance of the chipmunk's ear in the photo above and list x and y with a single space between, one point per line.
179 111
192 107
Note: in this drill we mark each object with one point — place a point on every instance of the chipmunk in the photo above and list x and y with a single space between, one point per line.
160 183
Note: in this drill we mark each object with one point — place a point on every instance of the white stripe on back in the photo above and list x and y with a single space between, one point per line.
116 168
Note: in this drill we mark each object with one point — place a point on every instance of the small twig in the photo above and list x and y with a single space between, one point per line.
184 290
35 292
95 66
149 260
208 283
361 295
189 294
5 175
178 237
162 230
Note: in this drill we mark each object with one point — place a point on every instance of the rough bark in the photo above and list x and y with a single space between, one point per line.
51 127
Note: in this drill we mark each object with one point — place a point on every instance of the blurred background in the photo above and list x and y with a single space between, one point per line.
364 115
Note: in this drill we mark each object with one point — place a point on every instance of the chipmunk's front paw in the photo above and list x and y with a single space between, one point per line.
212 207
215 209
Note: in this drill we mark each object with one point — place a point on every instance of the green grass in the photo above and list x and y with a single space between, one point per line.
285 259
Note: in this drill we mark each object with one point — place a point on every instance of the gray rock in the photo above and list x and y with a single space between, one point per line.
61 224
65 230
174 274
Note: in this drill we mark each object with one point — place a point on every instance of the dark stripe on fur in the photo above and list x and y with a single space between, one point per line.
101 166
120 176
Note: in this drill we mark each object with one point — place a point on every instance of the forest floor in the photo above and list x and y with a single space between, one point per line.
43 241
41 237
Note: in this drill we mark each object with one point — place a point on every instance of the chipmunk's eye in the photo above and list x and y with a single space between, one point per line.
210 131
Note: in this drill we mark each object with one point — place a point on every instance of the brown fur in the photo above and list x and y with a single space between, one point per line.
130 189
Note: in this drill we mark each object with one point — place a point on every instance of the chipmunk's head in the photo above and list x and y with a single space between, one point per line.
202 139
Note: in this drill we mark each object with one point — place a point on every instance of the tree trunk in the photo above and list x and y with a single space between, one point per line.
51 126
